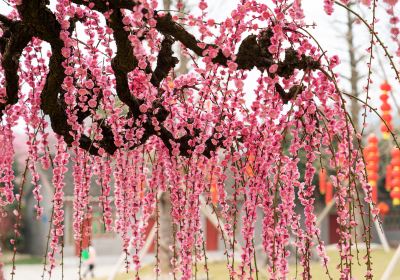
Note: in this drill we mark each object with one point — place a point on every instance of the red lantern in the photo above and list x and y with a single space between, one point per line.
373 177
212 178
395 173
329 193
371 155
373 140
214 192
395 181
373 163
384 97
386 107
249 165
383 209
395 194
395 177
386 87
386 110
387 118
396 154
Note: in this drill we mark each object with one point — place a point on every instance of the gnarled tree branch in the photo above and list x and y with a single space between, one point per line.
16 36
165 62
39 21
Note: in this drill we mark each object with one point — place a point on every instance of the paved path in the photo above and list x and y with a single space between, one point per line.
104 264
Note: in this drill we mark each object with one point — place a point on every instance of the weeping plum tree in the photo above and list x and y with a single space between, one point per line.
100 76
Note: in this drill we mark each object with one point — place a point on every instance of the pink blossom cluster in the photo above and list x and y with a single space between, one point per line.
6 164
60 168
394 22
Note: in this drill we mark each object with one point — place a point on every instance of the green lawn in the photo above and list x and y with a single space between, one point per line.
218 270
21 259
380 260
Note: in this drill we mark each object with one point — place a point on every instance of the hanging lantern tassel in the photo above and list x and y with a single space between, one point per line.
386 111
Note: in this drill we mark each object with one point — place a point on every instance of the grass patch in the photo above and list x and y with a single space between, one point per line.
218 270
21 259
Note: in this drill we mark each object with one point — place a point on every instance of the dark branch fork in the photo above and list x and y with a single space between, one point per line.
37 20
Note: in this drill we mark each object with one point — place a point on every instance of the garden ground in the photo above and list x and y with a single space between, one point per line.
218 271
31 268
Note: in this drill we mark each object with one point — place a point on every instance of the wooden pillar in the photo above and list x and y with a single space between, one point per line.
211 236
